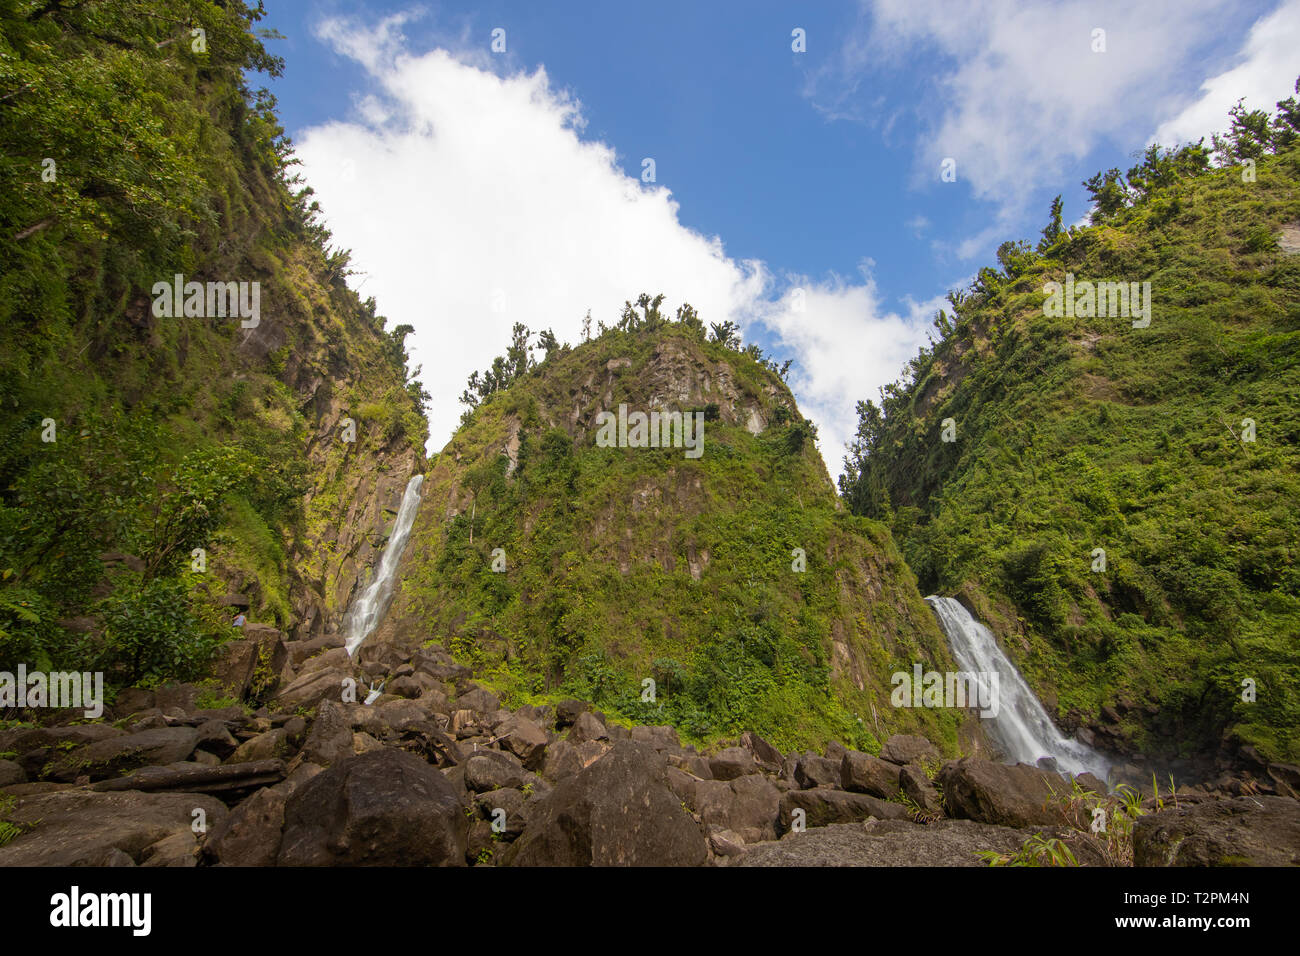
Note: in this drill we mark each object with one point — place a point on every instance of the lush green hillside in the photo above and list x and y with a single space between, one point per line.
131 149
1078 433
625 563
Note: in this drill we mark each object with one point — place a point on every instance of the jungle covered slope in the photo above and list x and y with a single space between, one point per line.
623 564
131 149
1074 434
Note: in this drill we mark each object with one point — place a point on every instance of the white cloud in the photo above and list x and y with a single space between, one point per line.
453 184
1267 73
848 346
458 189
1017 92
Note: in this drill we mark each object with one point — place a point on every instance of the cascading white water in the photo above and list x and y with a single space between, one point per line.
1022 728
369 608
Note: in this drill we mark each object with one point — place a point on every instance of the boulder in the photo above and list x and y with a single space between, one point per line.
822 807
567 712
310 689
1012 796
250 834
617 812
11 773
524 739
564 758
863 773
661 738
251 665
493 770
756 808
918 788
903 749
267 746
765 755
113 756
384 808
813 771
215 738
731 763
77 827
480 700
1241 831
588 726
330 739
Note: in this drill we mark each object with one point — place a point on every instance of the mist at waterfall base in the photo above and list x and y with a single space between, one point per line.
370 607
1022 730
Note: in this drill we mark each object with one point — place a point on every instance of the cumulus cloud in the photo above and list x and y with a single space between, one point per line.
849 344
1017 92
1266 72
471 201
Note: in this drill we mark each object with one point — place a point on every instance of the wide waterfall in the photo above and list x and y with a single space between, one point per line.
369 609
1022 729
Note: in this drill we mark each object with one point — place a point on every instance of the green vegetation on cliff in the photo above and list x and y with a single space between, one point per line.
1082 433
132 150
623 564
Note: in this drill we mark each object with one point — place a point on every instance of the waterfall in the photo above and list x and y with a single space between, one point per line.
1022 729
369 608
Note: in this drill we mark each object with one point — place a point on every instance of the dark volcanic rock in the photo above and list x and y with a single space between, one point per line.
822 807
903 749
116 755
1243 831
1014 796
383 808
617 812
863 773
84 828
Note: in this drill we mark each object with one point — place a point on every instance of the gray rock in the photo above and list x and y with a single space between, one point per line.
1014 796
113 756
887 843
386 808
77 827
493 770
1242 831
617 812
903 749
863 773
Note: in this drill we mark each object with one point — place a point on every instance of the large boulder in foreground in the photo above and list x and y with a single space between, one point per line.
617 812
1243 831
1009 796
85 828
381 808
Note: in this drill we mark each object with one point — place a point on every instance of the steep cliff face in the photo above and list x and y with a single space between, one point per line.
733 580
1115 494
203 447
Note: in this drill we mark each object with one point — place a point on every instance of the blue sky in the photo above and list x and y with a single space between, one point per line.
478 187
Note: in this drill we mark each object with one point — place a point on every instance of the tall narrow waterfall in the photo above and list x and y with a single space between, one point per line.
370 607
1022 729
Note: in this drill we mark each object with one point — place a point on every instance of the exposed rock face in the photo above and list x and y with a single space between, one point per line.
384 808
115 755
617 812
1245 831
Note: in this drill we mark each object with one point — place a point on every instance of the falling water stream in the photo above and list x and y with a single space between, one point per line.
1022 730
370 607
